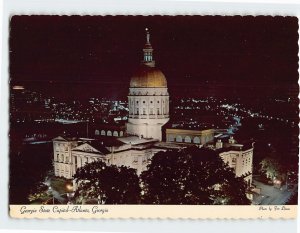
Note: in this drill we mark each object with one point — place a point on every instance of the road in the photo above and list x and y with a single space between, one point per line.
54 193
271 195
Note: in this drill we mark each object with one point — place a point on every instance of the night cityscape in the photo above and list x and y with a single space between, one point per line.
226 103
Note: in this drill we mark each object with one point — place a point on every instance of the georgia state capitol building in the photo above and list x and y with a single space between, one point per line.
148 102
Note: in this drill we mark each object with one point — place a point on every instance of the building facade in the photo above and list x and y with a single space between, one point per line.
71 154
62 156
199 137
239 157
240 162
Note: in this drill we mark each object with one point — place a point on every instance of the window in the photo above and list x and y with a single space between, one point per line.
158 101
196 140
171 138
187 139
151 102
137 111
144 102
116 134
178 138
137 101
144 111
151 111
158 111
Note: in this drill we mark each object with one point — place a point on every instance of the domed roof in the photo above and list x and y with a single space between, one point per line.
147 76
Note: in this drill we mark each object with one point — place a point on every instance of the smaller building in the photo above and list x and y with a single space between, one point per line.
239 157
200 137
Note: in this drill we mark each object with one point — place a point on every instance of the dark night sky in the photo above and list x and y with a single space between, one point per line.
187 49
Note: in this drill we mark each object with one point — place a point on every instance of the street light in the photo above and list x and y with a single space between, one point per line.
50 191
70 193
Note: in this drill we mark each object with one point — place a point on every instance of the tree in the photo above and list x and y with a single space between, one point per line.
191 176
271 168
28 170
107 184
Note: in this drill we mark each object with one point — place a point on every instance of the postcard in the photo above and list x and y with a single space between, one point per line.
153 116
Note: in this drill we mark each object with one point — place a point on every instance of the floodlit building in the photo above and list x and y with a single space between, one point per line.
198 137
148 102
62 156
148 98
239 157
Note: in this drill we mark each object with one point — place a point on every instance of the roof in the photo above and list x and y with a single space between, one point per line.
237 147
109 141
134 140
104 140
98 146
173 145
147 76
189 131
64 139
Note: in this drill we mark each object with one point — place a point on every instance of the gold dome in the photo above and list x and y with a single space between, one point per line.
148 77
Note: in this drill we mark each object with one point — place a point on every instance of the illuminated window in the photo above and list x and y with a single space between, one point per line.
116 134
178 138
196 140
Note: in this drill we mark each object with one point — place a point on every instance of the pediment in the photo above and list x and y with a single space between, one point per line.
85 147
